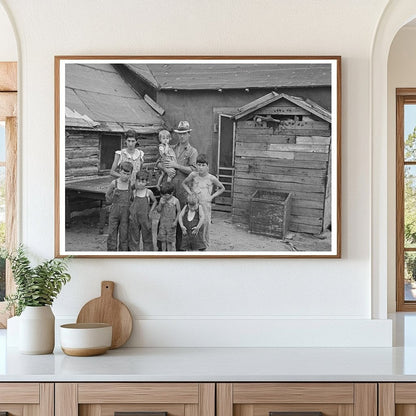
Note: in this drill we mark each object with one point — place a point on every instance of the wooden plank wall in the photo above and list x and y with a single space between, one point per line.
149 145
292 157
82 154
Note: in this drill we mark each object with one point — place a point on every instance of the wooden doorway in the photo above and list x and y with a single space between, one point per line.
225 156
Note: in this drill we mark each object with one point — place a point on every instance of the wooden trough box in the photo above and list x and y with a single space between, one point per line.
270 213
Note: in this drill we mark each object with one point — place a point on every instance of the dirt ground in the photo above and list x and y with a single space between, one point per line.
83 235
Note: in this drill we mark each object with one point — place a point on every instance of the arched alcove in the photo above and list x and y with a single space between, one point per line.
401 73
396 15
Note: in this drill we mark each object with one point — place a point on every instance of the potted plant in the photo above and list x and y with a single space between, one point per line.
36 289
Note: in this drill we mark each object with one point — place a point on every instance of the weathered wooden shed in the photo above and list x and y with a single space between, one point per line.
99 107
208 96
283 143
200 93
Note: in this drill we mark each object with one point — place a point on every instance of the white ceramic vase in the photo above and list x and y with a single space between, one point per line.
37 330
12 334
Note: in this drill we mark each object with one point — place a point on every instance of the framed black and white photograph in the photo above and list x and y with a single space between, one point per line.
198 156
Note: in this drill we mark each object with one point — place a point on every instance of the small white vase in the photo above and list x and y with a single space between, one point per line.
37 330
12 334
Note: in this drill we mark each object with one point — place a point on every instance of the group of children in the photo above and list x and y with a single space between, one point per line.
133 205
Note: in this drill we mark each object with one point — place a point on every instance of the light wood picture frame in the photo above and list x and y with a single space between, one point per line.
262 134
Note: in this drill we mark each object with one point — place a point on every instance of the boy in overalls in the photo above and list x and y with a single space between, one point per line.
191 220
140 214
118 195
169 210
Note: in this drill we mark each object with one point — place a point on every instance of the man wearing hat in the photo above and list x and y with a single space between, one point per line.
185 160
185 163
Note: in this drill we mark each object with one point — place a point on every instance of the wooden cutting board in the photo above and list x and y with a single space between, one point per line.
108 310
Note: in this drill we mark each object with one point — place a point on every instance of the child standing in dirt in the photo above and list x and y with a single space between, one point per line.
191 220
118 195
140 214
202 183
169 210
166 154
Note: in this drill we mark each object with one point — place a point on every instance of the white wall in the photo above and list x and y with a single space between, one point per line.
401 74
8 46
224 301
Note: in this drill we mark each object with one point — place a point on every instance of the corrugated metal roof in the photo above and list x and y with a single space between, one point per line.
77 119
99 92
272 97
233 76
144 72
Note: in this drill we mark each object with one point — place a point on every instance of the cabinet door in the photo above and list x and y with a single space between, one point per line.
397 399
143 399
297 399
26 399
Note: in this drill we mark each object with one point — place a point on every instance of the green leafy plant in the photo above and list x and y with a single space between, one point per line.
38 285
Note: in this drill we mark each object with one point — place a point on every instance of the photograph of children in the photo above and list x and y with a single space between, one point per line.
198 157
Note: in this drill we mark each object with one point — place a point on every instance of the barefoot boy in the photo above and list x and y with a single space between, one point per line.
202 183
191 220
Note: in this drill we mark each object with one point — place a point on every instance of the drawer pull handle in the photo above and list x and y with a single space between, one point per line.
295 413
140 414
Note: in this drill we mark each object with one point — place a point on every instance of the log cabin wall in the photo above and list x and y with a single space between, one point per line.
289 154
84 153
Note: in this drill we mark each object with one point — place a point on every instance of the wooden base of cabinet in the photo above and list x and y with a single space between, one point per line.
208 399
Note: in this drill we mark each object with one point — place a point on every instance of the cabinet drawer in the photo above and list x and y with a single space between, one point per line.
147 399
138 393
19 393
306 399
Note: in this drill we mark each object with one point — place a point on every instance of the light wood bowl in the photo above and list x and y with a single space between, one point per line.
84 340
